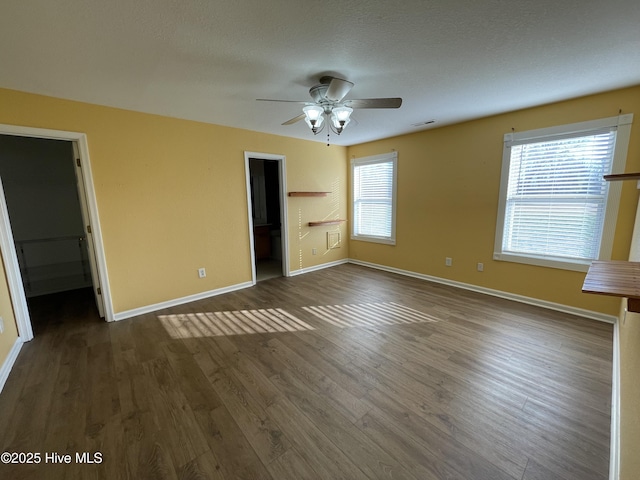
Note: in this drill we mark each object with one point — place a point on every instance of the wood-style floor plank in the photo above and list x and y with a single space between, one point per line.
346 372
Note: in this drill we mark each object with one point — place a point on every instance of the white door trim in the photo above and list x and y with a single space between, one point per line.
12 269
284 224
11 263
86 220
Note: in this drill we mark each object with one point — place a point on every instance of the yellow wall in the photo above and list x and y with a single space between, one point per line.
171 195
448 185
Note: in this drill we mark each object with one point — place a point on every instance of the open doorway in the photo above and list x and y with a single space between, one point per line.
50 243
267 209
43 203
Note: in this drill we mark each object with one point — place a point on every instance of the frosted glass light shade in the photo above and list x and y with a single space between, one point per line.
313 116
340 116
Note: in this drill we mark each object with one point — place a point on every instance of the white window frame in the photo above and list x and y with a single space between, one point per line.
623 124
374 159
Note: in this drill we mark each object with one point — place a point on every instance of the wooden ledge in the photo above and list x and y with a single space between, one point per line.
616 278
622 176
308 194
326 222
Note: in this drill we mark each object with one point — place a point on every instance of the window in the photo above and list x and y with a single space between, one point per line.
555 208
373 194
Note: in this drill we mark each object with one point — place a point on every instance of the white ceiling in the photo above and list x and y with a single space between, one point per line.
208 60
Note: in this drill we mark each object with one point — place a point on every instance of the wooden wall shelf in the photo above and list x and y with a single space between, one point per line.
616 278
308 194
326 222
622 176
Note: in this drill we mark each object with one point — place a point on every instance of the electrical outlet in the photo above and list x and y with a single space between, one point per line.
448 261
314 251
1 325
202 272
480 267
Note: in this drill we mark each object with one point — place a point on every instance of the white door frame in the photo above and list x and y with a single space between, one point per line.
14 278
9 255
284 225
86 220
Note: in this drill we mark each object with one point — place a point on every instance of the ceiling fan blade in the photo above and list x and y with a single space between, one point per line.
294 119
337 90
374 103
287 101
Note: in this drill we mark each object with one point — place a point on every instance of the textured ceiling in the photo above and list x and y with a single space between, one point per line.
208 60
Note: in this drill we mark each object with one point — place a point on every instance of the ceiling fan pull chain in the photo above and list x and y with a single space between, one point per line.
328 130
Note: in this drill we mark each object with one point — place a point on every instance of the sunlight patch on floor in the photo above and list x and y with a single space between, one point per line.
368 314
237 322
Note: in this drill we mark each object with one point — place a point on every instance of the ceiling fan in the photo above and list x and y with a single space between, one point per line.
328 101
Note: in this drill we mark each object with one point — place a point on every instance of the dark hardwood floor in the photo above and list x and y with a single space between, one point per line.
344 373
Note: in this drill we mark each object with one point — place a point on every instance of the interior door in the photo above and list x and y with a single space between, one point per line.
82 195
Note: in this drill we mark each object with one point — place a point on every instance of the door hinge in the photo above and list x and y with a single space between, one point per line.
78 162
99 291
88 228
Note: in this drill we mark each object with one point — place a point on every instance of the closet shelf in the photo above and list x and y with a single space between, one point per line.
616 278
308 194
326 222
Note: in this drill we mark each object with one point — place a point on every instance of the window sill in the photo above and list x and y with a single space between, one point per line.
577 266
384 241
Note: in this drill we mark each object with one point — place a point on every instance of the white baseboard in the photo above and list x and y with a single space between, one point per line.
301 271
466 286
614 447
212 293
179 301
9 362
496 293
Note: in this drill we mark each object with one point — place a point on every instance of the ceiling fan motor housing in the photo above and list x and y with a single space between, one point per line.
318 93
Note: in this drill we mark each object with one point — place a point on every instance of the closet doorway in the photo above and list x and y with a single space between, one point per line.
267 215
47 236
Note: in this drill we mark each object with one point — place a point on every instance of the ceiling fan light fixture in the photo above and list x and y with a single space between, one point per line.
313 115
340 118
328 101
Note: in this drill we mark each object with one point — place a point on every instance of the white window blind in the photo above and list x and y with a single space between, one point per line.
557 197
373 198
555 204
